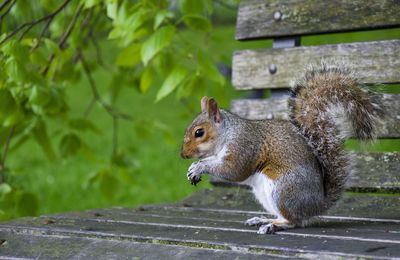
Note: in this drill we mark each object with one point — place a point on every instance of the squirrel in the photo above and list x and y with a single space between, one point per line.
297 168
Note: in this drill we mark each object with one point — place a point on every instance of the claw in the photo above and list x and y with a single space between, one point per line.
195 180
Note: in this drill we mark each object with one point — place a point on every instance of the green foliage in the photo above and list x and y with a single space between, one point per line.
157 42
48 47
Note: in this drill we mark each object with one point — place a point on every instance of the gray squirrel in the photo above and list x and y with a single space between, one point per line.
297 169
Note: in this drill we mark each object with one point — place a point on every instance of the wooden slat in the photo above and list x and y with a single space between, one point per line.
337 237
278 109
352 206
375 171
302 17
209 223
372 172
371 62
25 246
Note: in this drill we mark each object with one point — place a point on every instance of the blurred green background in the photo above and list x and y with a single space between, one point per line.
147 167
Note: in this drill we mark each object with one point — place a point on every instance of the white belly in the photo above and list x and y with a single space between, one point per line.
263 188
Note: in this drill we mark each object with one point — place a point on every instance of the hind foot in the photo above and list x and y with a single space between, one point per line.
271 228
257 221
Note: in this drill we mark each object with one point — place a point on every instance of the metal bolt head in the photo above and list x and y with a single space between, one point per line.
272 68
277 16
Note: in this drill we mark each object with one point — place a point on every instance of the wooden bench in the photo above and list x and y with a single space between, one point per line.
210 223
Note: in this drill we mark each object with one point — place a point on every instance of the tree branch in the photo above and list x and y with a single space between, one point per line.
27 26
70 28
7 11
64 38
90 36
42 33
4 4
89 107
110 110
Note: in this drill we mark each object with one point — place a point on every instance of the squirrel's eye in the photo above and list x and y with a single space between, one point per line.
199 132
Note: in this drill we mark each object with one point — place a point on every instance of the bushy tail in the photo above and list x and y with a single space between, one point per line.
327 106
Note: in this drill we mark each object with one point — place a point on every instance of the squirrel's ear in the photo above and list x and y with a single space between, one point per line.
204 103
213 110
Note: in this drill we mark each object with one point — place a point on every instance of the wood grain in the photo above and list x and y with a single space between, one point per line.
350 207
302 17
204 227
372 172
371 62
278 109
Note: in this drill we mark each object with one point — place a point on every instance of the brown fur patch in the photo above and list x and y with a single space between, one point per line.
272 173
190 147
286 214
269 162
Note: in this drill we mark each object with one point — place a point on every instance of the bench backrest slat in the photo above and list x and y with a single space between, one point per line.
281 18
278 108
372 62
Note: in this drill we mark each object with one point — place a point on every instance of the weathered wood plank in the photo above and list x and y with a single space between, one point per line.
278 108
277 18
192 218
211 219
236 216
372 172
350 206
224 238
17 246
372 62
375 170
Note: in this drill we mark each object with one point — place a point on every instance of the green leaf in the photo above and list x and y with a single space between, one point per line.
10 112
40 134
57 102
91 3
39 96
187 87
197 22
52 46
156 42
5 189
83 125
176 77
210 70
163 63
109 185
123 160
112 7
161 17
146 79
27 204
8 105
194 6
69 145
129 56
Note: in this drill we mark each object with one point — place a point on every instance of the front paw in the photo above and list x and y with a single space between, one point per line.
194 173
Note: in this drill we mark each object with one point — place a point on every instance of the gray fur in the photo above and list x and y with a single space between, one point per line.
345 109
